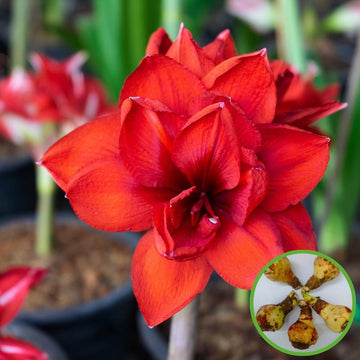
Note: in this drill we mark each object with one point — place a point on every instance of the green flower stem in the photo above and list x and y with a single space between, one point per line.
242 298
19 20
289 38
44 217
171 16
183 332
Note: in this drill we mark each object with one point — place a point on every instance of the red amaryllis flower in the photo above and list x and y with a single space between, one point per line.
38 108
79 98
23 108
194 157
15 283
299 102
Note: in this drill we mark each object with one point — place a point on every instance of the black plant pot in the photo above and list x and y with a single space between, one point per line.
96 330
17 187
37 338
93 331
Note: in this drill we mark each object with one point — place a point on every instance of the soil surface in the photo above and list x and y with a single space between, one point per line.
84 265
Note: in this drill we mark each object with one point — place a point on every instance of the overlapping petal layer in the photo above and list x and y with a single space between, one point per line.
149 157
163 287
106 190
71 153
204 152
295 161
238 253
296 229
162 78
248 80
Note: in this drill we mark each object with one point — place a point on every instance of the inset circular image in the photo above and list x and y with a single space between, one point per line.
303 302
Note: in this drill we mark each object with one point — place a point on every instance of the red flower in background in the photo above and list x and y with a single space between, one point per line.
79 98
299 102
24 109
58 94
193 155
15 283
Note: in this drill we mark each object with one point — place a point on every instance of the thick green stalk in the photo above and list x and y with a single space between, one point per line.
44 216
183 332
171 16
19 20
289 38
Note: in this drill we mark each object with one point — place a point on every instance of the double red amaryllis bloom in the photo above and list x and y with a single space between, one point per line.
15 283
58 93
194 155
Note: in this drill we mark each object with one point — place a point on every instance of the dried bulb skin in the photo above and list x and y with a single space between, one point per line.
336 317
324 271
271 317
281 271
302 333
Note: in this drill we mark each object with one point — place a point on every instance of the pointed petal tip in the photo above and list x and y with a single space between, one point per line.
263 52
224 34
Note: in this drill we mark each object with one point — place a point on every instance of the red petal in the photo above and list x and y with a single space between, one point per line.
295 161
205 153
185 51
242 200
296 229
106 196
305 116
14 349
146 146
159 42
161 78
163 287
15 283
279 67
247 134
248 80
182 231
71 153
239 253
221 48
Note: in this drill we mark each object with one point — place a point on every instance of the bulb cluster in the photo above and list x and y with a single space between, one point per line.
302 333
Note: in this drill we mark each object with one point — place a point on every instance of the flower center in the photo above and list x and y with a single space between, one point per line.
186 226
202 210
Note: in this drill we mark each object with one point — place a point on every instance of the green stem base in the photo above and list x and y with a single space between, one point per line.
183 332
45 211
